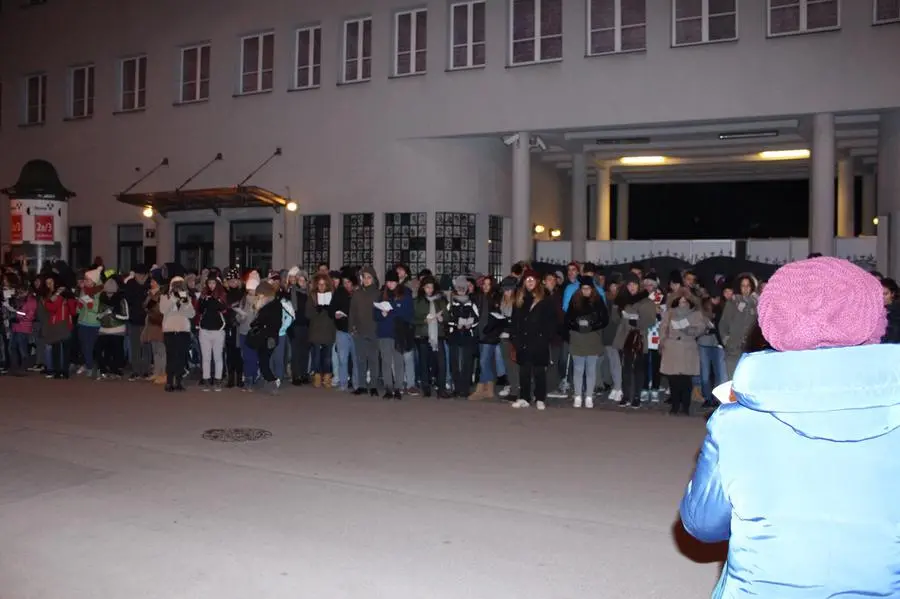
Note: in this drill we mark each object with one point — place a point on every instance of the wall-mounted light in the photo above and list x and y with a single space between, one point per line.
875 221
292 206
555 233
642 160
148 212
784 154
538 229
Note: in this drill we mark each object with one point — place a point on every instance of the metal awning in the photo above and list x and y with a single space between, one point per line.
215 199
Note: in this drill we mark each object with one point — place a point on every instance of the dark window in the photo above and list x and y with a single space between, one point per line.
131 246
80 247
251 245
495 246
455 243
194 245
405 240
359 239
316 240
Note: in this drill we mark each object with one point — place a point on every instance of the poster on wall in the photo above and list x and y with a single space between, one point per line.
37 221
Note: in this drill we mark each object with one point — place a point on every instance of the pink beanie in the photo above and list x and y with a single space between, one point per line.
821 302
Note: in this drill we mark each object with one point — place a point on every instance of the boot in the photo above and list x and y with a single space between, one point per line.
326 381
489 391
478 395
317 380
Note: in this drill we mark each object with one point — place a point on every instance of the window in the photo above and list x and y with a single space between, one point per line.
81 92
455 245
134 84
703 21
410 42
251 244
886 11
35 99
308 69
80 247
406 240
195 73
535 31
257 63
316 240
467 41
131 246
359 239
495 247
194 245
787 17
357 50
616 26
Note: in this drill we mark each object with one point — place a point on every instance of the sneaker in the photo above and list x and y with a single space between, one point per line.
577 403
615 395
81 370
132 377
205 387
654 396
504 391
49 375
645 395
397 395
558 394
373 392
589 402
540 405
217 386
272 387
35 368
521 403
413 391
387 395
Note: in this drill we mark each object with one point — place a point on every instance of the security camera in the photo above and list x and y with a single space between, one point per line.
537 142
510 139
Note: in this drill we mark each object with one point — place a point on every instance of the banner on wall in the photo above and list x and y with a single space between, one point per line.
37 221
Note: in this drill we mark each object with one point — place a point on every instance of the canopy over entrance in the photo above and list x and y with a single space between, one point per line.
215 199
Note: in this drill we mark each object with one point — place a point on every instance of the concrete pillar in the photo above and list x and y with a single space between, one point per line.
869 204
522 235
579 208
821 186
888 188
604 203
846 218
622 210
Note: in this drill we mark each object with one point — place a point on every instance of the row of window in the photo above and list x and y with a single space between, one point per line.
405 239
535 35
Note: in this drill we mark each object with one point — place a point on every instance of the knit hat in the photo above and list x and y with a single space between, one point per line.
93 275
232 274
509 284
427 280
675 277
140 269
293 271
531 274
821 302
461 285
391 275
651 277
585 281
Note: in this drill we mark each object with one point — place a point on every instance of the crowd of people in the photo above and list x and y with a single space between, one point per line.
582 335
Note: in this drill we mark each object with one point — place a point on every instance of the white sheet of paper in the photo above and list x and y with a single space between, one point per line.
723 392
498 315
384 306
324 299
340 314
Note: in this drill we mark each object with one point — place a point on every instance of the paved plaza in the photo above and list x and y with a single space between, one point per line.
109 490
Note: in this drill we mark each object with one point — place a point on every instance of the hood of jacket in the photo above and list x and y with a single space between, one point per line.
841 394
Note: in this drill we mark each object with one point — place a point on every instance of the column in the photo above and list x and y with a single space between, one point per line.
821 186
622 210
378 245
845 208
165 239
888 189
222 242
482 238
522 235
579 208
869 204
604 203
336 241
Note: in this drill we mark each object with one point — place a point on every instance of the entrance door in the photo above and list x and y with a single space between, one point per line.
194 245
251 245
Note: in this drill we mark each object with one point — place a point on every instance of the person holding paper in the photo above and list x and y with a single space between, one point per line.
343 295
586 318
429 312
798 473
321 312
362 327
392 314
462 319
682 324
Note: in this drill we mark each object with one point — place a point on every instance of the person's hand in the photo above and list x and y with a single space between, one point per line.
430 317
384 313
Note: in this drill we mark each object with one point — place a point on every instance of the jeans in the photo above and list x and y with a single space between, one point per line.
585 367
278 357
498 361
137 351
87 337
177 345
111 353
159 357
489 362
212 348
634 371
321 358
432 365
392 365
712 361
651 369
366 360
251 361
18 350
462 361
346 355
409 367
614 359
510 367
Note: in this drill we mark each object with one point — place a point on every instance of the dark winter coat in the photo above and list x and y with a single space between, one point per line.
421 309
268 320
340 302
322 329
213 313
892 335
135 294
362 317
533 328
461 308
585 321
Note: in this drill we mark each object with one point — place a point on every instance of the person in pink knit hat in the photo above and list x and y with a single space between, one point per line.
798 472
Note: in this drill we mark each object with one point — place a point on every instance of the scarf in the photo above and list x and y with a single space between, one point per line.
432 323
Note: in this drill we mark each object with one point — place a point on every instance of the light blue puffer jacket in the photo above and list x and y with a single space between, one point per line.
802 476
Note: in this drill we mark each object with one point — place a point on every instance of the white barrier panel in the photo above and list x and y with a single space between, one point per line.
772 251
799 249
856 248
557 252
709 248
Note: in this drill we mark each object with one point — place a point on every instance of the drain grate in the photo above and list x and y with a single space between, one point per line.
236 435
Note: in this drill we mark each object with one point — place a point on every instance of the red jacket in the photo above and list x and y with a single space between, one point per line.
61 309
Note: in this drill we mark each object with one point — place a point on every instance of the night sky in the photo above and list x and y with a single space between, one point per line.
759 209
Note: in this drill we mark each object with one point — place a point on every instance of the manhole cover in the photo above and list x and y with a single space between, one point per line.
236 435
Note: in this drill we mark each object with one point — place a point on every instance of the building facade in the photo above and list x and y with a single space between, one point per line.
436 132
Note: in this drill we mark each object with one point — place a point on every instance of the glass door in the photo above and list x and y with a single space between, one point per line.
251 245
194 245
131 247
